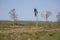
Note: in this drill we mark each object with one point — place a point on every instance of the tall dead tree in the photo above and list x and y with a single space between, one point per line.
36 15
58 19
13 16
46 15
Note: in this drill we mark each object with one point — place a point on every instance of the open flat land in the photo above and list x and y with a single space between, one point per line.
27 30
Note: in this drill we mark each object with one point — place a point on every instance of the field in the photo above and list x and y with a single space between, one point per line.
27 30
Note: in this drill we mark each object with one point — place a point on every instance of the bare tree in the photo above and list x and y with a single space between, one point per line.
36 15
46 14
58 19
13 16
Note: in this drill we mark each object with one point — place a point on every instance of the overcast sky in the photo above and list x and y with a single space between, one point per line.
24 9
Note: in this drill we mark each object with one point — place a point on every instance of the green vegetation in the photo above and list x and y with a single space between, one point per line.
28 36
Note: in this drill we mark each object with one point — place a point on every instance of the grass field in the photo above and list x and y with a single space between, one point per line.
26 30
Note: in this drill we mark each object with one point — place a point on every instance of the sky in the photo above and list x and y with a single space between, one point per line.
25 9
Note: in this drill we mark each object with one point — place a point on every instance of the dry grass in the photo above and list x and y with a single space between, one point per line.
28 31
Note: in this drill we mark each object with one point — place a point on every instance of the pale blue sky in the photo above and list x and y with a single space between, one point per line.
24 8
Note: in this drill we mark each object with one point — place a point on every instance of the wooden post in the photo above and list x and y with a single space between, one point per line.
36 21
